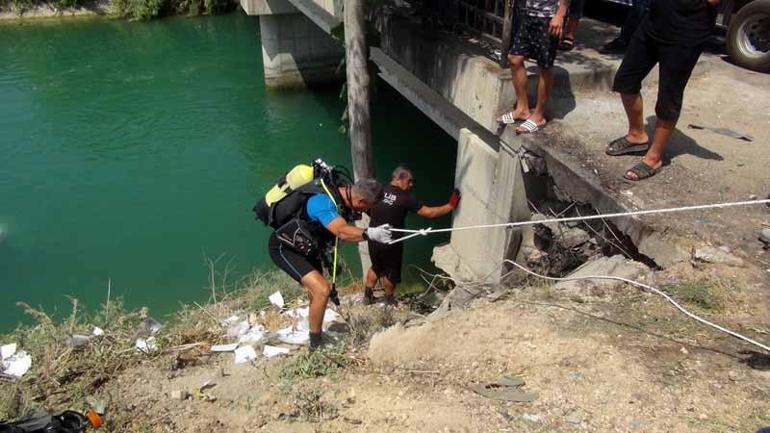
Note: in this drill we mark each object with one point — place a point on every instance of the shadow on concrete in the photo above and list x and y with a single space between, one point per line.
562 100
682 144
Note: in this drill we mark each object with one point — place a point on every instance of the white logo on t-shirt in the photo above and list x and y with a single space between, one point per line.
389 198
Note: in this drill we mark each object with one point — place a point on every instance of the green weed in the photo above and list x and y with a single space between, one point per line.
709 295
322 362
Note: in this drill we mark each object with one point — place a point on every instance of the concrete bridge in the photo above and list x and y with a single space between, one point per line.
456 83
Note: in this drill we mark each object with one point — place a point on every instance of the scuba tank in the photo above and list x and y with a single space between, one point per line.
293 180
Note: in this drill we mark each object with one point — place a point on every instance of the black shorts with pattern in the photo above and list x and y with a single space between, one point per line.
532 40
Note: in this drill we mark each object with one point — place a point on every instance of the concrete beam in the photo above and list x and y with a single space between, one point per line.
325 20
493 192
268 7
450 118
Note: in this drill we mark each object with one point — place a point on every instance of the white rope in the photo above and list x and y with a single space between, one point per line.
653 290
427 231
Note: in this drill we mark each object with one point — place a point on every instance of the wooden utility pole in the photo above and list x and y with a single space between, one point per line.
356 55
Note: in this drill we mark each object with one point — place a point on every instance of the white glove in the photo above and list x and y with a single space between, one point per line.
381 234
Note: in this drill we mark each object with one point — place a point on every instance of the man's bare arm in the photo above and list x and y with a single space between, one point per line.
344 231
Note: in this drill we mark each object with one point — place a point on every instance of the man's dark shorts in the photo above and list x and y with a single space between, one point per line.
290 261
532 40
386 260
676 63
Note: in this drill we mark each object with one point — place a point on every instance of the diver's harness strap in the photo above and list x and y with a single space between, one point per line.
333 295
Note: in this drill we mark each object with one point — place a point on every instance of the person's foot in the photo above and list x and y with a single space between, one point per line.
513 116
643 170
534 123
390 300
615 46
316 340
368 297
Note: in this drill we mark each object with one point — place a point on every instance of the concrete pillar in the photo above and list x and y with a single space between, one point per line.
296 53
493 192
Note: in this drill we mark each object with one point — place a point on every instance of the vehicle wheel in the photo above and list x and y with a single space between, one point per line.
748 36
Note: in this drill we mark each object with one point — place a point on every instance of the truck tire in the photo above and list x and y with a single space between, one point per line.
748 36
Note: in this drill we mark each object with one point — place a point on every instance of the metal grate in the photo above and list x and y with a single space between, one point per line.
486 17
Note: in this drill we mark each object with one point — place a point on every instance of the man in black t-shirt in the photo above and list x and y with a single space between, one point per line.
396 203
672 34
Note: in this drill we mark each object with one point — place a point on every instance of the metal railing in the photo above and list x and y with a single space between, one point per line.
490 20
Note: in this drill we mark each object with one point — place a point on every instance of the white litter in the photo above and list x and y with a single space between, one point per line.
7 351
276 299
299 332
146 345
17 364
253 335
152 325
237 329
230 320
272 351
245 354
293 336
224 347
97 332
301 315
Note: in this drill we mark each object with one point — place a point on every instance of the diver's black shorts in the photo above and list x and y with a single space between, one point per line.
290 261
386 260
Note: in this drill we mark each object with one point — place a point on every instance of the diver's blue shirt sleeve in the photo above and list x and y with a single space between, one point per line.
322 209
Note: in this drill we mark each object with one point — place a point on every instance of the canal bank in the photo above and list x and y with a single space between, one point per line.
133 152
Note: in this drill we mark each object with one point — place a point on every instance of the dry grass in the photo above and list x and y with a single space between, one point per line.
62 376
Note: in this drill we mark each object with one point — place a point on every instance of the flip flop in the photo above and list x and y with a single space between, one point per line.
529 127
642 171
508 118
567 44
621 146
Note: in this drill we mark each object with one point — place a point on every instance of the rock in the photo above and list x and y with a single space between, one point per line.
732 375
574 418
615 266
710 254
532 418
574 237
540 217
178 395
764 236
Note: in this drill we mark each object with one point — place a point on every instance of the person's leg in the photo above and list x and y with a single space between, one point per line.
519 79
544 47
371 281
676 65
318 289
574 16
544 84
389 287
637 63
634 106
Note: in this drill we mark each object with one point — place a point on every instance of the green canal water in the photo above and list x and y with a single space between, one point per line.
132 152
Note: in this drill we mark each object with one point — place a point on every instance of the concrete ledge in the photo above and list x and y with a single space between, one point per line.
577 180
450 118
268 7
325 20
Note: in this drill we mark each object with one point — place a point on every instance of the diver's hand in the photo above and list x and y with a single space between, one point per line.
381 234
